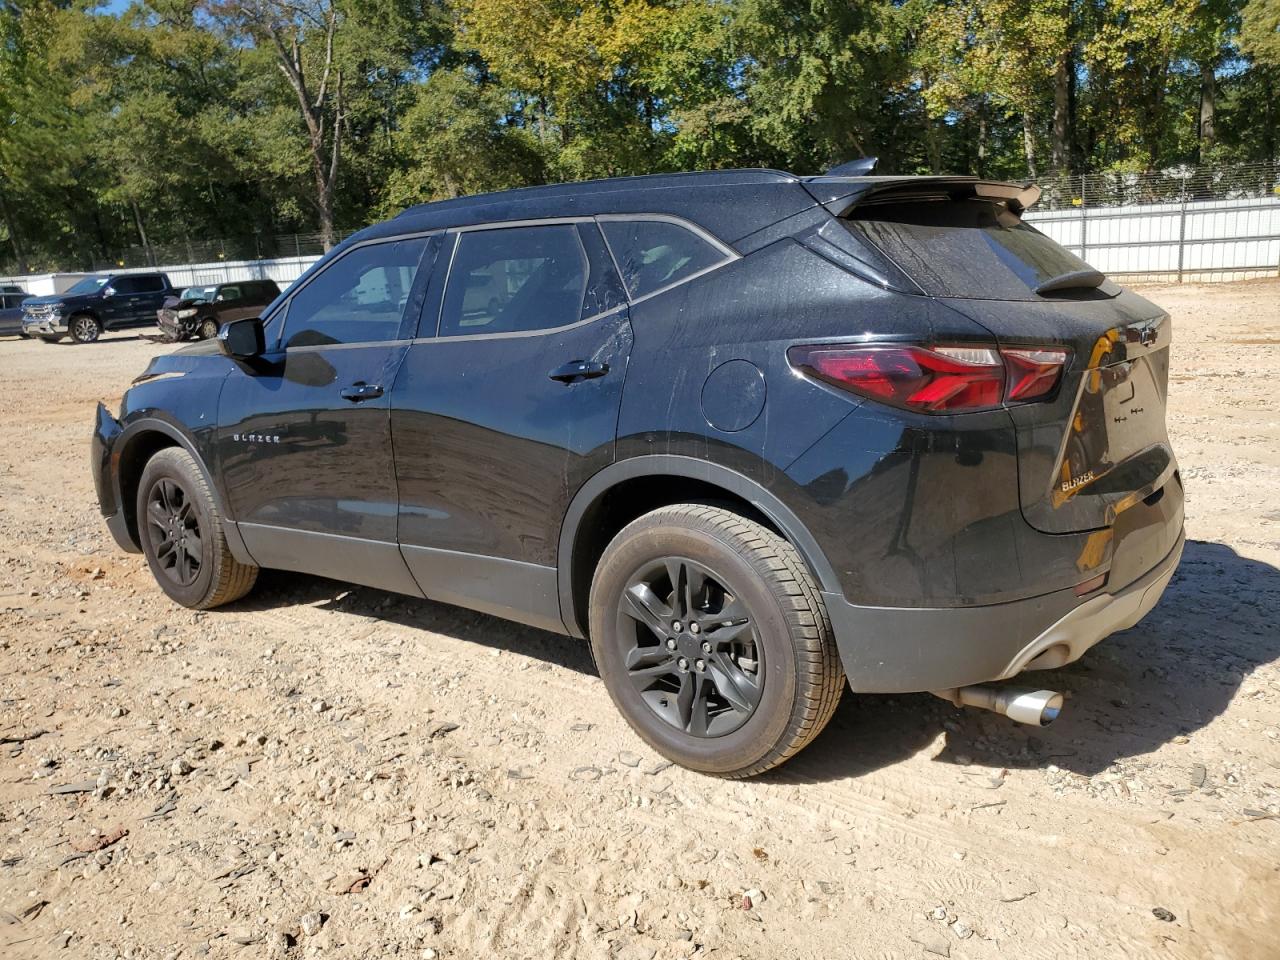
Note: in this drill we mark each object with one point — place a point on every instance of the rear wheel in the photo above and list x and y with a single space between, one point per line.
84 328
711 636
208 329
182 535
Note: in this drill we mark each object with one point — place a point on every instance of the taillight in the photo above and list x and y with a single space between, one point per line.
946 379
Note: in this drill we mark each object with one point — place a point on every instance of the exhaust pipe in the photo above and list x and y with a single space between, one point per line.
1036 707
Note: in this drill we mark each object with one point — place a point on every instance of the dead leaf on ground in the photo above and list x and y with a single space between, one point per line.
99 841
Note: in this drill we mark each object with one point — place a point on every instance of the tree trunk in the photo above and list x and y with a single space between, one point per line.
19 255
982 138
933 144
142 234
1061 156
1029 144
1208 106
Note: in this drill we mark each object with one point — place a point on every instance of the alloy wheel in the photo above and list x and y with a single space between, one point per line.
690 648
84 329
174 530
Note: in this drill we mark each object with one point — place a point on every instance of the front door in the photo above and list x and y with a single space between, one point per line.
503 409
304 440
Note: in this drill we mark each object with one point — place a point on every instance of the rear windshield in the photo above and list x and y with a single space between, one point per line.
971 248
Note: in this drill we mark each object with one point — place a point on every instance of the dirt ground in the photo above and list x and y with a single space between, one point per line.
328 771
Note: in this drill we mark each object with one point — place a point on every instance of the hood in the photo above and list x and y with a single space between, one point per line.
173 303
61 298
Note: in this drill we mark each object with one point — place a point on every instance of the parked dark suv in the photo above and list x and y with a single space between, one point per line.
200 310
95 304
750 433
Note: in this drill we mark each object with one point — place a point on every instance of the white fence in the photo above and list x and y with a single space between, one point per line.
1194 241
283 272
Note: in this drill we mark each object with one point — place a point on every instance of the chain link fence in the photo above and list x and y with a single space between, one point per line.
159 255
1173 185
1179 224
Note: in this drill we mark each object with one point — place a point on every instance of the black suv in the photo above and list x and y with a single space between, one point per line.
750 433
95 304
201 310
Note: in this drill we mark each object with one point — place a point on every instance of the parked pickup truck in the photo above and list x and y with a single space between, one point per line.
96 304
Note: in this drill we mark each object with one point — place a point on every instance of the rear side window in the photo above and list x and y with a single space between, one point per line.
655 254
972 248
138 284
359 298
514 280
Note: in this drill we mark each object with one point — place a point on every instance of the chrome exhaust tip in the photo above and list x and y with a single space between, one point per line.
1039 708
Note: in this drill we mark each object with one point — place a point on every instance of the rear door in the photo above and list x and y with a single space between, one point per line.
506 403
304 439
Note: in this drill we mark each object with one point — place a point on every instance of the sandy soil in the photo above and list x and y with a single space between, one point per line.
327 771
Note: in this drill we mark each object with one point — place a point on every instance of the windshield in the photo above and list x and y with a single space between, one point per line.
197 293
973 248
89 285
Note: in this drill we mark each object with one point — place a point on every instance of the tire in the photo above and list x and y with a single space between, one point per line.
85 328
174 497
208 328
762 635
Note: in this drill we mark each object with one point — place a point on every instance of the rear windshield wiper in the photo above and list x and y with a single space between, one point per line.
1075 280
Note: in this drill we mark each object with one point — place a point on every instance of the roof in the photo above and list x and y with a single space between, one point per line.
729 203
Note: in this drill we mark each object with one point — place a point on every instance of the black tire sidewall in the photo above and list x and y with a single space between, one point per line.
745 746
178 467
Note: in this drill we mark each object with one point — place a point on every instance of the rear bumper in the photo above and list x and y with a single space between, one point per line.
907 649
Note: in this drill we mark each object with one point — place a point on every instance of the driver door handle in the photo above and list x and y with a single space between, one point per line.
576 370
361 391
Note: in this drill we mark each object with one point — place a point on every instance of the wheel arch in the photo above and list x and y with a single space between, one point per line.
630 488
137 444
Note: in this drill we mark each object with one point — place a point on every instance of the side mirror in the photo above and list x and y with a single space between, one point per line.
108 291
243 339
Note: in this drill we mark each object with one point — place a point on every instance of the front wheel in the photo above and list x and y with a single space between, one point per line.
181 533
712 639
84 328
208 329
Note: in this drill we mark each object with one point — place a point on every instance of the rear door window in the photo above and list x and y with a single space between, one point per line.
515 280
655 254
971 248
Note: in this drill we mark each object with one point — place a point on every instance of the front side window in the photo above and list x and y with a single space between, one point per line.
654 254
229 293
515 279
359 298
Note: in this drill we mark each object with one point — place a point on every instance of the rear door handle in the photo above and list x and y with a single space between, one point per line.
361 391
576 370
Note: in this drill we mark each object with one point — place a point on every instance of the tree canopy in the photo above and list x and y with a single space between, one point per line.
179 122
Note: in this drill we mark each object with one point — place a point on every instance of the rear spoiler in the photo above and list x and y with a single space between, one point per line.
839 195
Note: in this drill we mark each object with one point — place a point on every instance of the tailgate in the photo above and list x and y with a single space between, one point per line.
1101 445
